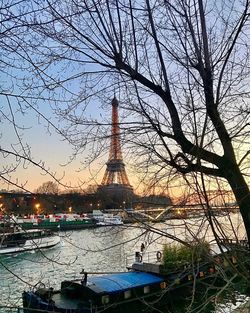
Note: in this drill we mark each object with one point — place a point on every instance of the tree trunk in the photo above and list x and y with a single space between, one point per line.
242 194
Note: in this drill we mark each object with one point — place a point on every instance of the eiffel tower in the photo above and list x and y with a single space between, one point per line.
115 179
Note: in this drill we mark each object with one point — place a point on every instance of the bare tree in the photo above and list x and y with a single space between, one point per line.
181 69
48 187
18 101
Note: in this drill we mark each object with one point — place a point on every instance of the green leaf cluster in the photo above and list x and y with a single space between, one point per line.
176 256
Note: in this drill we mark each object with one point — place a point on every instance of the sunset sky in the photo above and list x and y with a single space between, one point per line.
50 148
66 75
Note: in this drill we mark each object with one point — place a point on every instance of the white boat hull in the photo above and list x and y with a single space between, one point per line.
109 223
32 244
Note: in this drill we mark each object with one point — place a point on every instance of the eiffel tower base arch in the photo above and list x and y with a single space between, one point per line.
116 196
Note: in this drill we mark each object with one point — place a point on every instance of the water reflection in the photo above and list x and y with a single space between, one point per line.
101 249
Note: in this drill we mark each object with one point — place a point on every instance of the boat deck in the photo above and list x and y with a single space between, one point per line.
64 302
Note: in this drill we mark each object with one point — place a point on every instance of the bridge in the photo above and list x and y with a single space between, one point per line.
175 212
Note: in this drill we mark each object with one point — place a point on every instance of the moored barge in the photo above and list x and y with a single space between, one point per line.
117 292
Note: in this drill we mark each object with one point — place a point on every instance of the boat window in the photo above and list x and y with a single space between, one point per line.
127 294
146 289
105 299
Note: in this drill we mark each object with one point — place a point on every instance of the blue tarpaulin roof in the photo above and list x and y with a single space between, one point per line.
113 283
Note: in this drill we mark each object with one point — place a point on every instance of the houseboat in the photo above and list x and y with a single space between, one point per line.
106 219
62 221
94 294
143 283
15 240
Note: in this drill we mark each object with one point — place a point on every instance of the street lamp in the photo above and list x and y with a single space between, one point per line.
37 206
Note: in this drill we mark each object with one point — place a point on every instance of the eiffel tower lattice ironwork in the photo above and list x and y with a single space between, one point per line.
115 176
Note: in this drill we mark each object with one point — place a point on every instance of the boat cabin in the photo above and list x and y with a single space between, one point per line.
19 238
114 287
97 292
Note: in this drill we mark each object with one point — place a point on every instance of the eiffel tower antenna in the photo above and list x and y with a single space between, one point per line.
115 178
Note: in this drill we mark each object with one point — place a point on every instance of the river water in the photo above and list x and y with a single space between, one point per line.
96 250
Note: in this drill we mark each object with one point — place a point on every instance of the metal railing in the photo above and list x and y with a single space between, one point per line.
154 257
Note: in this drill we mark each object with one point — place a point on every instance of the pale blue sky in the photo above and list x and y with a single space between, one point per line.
50 148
